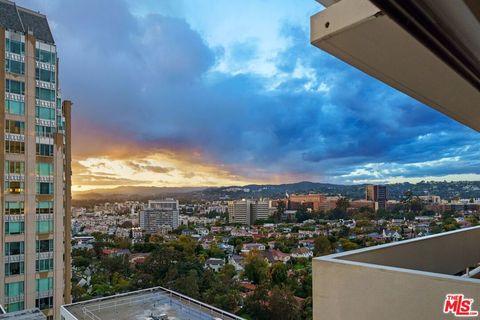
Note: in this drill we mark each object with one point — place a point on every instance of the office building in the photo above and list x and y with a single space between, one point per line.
247 212
158 214
314 201
377 194
260 210
35 187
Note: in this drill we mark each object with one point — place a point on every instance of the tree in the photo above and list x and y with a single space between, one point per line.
348 245
342 204
256 268
278 273
216 252
322 246
126 224
280 211
340 210
282 305
416 205
302 214
256 305
188 284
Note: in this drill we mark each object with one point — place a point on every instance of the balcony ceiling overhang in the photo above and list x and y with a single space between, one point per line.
428 49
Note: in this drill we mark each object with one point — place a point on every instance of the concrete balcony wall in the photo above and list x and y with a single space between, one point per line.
401 281
447 253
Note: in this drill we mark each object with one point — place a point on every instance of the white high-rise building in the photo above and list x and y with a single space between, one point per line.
159 213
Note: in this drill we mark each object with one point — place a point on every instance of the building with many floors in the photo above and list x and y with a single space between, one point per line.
158 214
36 161
377 194
248 211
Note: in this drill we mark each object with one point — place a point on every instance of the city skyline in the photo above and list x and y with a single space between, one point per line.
177 94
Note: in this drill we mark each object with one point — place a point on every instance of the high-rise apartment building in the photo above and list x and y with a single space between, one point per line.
378 194
36 161
247 211
158 214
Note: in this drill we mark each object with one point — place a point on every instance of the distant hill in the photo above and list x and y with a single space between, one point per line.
133 193
446 190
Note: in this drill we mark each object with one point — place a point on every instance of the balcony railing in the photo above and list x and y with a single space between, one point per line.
45 255
14 137
45 66
14 97
45 85
14 258
44 217
45 178
14 299
14 218
46 123
14 177
45 294
14 56
45 103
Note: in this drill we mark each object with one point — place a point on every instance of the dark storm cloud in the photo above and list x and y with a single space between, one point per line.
148 81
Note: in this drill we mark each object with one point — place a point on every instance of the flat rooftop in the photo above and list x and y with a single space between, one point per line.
149 304
29 314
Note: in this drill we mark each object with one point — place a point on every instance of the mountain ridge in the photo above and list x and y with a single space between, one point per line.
444 189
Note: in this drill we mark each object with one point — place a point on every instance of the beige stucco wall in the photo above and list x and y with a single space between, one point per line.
346 292
447 253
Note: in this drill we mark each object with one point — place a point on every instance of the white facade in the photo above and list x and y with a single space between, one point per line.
159 213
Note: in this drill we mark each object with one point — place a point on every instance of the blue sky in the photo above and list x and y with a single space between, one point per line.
199 92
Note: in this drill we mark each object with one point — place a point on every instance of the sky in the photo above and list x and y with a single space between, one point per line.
215 93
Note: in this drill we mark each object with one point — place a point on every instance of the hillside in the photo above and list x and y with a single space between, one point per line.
447 190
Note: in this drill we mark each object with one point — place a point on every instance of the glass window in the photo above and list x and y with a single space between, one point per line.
45 284
16 227
14 147
45 226
14 268
14 167
15 107
45 150
14 187
44 303
45 94
14 289
12 307
14 248
45 113
45 75
14 46
44 169
13 66
12 126
45 56
43 265
44 131
14 207
44 188
44 246
44 207
12 86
